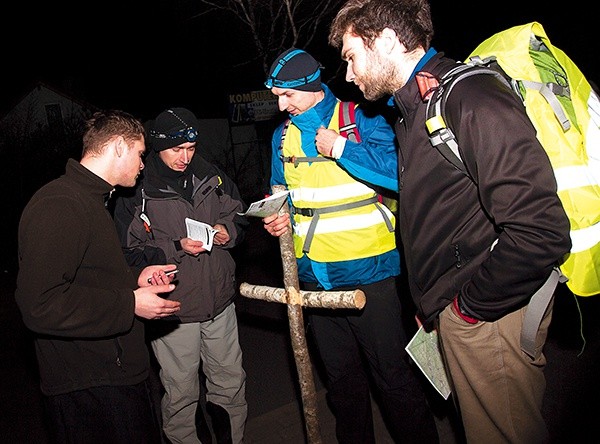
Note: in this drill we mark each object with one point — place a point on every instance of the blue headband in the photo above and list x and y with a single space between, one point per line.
272 81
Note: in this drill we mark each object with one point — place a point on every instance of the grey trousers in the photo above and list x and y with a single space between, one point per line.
498 387
215 344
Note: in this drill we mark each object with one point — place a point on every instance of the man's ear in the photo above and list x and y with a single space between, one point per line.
387 40
120 146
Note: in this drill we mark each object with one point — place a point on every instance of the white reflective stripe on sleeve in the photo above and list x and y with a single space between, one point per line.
328 194
585 238
338 147
344 223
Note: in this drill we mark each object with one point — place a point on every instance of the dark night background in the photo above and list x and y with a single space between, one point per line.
145 56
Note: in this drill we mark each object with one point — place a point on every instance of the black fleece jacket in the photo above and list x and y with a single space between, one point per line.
449 223
75 289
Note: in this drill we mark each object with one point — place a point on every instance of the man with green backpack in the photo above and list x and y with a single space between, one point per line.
478 246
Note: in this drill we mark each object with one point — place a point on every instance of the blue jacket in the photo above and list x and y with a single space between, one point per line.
374 160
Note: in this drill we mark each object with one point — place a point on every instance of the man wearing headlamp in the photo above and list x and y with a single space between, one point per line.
344 239
178 184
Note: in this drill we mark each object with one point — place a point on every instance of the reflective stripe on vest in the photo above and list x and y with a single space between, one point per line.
348 234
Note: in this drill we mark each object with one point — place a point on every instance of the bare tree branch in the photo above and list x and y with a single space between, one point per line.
275 25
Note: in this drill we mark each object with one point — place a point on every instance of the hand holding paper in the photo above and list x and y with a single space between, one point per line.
267 206
200 231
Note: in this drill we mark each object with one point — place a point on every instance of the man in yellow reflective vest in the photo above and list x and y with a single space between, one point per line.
344 239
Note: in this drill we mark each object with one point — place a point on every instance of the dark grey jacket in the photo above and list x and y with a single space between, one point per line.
448 223
206 284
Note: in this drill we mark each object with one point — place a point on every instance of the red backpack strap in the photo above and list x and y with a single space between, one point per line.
347 121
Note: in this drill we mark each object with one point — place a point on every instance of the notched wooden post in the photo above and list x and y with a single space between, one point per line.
295 299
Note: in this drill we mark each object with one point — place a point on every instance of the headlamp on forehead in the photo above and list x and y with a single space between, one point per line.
190 134
273 82
301 69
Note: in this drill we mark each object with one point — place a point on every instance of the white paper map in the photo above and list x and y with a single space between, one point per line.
200 231
267 206
424 349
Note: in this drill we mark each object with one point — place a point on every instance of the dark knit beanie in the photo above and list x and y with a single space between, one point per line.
295 69
172 127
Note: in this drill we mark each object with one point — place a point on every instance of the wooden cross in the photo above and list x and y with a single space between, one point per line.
295 300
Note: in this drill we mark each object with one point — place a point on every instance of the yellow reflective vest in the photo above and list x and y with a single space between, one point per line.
335 217
572 143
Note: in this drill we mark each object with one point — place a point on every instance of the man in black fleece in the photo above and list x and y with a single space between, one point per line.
81 299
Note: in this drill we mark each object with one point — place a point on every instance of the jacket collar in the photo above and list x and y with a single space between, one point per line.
95 184
408 98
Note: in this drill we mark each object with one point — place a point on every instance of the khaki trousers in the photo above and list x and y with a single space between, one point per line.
498 388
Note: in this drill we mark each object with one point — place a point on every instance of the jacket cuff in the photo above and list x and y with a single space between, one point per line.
338 147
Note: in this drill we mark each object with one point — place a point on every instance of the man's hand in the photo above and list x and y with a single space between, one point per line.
192 247
156 275
277 224
221 236
149 304
324 141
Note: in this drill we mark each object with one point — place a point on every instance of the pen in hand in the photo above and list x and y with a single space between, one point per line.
168 273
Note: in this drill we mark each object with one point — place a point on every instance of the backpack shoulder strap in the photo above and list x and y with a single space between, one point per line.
282 138
441 135
347 121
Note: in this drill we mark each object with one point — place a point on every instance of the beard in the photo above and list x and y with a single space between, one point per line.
379 80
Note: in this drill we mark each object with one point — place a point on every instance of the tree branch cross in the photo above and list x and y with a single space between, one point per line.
295 300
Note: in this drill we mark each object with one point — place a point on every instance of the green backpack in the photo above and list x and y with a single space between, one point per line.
566 114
